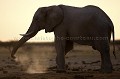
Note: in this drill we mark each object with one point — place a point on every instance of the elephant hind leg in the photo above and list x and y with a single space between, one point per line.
69 46
106 65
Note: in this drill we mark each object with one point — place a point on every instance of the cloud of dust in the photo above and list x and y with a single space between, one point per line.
34 62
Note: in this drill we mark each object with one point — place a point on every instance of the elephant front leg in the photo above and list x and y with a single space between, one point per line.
60 59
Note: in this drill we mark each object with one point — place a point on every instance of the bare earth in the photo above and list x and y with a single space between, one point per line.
38 62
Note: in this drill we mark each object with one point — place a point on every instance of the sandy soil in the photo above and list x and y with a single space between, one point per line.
38 62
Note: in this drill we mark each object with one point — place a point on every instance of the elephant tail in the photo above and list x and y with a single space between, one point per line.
113 34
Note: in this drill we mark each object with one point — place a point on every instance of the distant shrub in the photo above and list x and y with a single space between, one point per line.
8 44
116 42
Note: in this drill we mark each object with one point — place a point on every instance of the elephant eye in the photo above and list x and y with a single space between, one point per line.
36 19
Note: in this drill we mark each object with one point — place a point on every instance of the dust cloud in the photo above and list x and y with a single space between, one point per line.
35 61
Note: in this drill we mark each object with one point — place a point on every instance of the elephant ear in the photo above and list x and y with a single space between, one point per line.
54 17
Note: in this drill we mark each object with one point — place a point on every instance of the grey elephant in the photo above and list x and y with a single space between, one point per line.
87 25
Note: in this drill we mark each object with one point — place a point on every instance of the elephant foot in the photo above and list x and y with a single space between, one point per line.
61 71
106 70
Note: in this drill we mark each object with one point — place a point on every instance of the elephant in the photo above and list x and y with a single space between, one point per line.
88 25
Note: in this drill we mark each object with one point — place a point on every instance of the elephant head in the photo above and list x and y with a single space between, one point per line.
44 18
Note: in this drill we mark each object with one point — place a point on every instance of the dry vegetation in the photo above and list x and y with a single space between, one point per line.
37 61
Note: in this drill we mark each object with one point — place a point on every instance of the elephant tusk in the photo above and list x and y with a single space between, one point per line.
27 34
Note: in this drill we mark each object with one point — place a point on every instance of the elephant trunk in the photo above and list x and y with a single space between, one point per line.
18 44
25 38
32 31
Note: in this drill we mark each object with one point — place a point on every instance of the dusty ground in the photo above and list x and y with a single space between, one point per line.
38 62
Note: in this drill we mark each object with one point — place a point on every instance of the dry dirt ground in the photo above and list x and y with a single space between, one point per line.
38 62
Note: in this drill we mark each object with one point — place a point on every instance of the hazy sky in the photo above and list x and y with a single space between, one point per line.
16 16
